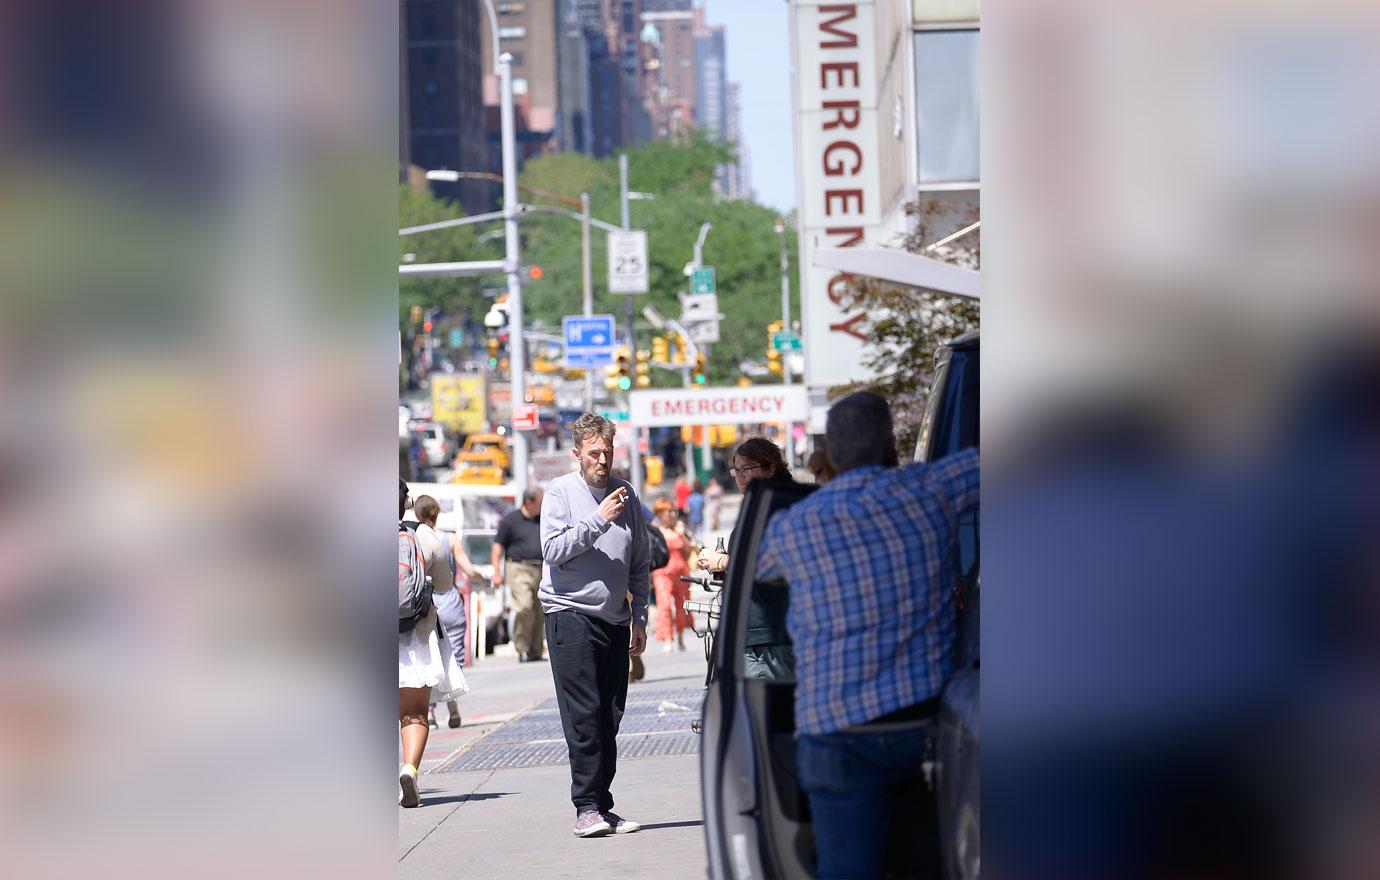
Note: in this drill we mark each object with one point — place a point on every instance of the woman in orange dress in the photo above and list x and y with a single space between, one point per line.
672 620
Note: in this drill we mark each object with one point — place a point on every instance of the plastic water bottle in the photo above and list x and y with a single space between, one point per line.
719 547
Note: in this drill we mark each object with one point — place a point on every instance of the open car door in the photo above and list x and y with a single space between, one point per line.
756 818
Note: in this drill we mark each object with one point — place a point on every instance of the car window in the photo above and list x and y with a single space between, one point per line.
478 548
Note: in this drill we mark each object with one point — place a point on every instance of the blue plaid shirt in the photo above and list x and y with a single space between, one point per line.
872 615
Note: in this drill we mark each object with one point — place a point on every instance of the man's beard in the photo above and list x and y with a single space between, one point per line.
592 477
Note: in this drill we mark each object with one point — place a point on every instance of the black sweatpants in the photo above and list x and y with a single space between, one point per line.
589 661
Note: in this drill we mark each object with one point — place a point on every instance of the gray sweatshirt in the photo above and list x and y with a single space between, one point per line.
589 564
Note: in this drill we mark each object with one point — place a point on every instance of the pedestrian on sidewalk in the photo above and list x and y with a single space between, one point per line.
517 562
713 502
449 569
694 506
672 620
427 673
594 546
767 646
872 618
818 464
683 490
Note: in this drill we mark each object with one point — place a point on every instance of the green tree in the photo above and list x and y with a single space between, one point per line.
456 297
743 247
911 323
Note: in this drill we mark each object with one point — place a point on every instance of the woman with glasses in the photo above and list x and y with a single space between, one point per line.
768 646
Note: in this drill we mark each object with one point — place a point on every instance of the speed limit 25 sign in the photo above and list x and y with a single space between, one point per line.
628 261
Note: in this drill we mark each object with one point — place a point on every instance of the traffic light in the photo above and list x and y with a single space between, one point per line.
416 314
624 363
492 345
699 369
611 377
661 349
644 369
773 356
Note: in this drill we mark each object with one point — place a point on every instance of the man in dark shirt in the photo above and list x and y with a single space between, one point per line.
519 539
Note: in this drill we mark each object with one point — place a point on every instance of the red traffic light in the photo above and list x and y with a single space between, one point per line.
427 326
537 273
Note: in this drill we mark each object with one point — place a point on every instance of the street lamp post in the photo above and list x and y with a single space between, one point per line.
587 273
786 326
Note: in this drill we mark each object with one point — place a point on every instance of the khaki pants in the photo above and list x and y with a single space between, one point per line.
523 580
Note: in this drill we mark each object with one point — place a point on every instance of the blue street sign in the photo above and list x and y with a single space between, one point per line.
588 341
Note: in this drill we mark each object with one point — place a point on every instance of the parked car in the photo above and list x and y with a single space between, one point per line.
437 448
756 818
950 424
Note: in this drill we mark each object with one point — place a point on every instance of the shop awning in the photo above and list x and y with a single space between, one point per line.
900 267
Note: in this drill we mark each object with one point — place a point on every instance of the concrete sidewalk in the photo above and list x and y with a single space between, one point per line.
516 821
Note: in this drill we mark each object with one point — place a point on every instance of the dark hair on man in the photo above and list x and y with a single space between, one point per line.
765 454
588 426
530 494
858 432
402 497
427 509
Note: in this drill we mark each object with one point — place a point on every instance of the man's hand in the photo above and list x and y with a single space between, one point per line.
497 579
612 505
638 643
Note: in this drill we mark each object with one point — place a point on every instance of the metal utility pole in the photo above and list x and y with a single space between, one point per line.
706 454
588 288
516 354
786 327
634 454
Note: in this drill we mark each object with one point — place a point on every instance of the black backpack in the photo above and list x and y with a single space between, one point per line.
657 550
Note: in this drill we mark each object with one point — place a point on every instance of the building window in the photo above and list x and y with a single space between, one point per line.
429 57
429 25
512 33
520 85
511 8
946 105
430 88
517 58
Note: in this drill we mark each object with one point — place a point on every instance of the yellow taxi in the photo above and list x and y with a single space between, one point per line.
496 443
478 468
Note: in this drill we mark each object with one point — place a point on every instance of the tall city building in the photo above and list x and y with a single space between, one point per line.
737 179
667 66
442 115
575 131
530 31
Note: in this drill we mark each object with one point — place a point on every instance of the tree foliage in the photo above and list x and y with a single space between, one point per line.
742 246
909 324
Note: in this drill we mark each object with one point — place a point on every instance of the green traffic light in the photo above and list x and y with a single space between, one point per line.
624 382
493 362
699 378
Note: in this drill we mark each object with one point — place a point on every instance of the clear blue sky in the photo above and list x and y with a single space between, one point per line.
758 42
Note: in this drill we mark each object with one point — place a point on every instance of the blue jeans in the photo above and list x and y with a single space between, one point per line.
861 787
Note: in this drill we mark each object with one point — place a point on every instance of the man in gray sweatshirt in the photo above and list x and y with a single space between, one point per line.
594 558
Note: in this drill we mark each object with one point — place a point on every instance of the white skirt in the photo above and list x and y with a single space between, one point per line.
425 659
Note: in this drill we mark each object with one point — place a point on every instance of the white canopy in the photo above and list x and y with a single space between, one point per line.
900 267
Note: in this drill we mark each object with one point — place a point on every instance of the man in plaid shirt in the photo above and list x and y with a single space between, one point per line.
872 616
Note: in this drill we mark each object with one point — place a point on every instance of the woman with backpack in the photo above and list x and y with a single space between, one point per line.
427 668
451 571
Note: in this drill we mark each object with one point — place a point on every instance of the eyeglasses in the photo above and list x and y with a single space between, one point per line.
734 472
